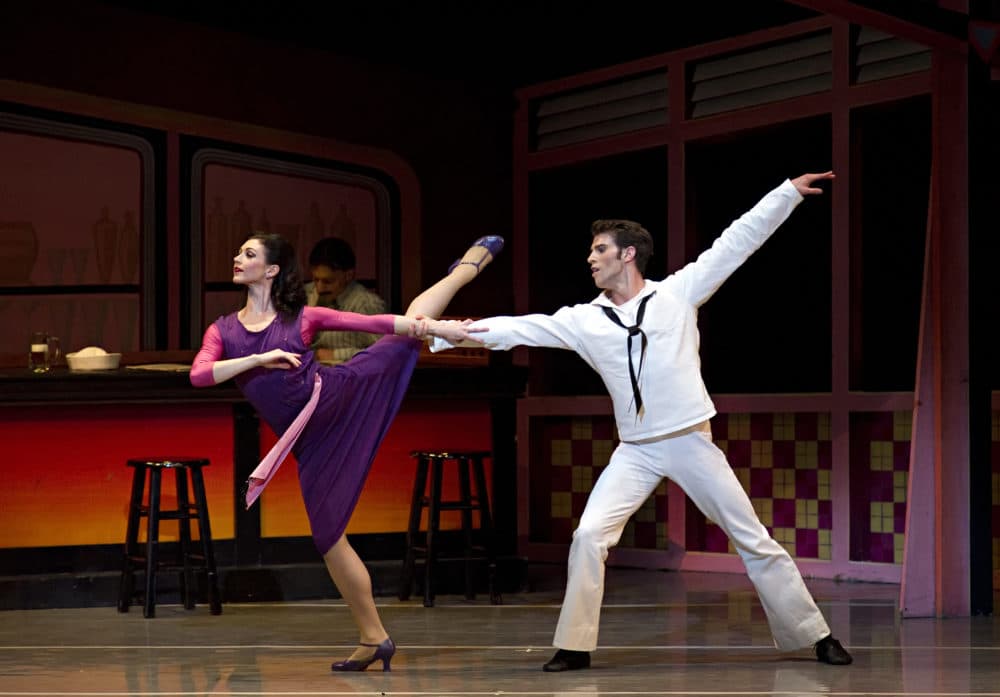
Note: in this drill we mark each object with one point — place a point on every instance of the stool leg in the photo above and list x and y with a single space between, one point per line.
184 539
126 585
465 494
152 543
486 526
413 529
205 532
433 524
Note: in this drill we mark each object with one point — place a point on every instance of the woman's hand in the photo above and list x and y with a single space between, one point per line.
419 328
456 332
279 359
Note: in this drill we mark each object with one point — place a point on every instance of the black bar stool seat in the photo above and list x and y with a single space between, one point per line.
469 464
188 558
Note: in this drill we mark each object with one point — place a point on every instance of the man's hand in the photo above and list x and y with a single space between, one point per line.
804 184
456 332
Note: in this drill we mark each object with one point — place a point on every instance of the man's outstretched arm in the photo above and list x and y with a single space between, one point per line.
699 280
504 333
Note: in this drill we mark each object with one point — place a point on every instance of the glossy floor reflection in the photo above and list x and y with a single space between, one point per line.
662 634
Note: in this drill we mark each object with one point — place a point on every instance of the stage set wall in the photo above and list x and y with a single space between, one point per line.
831 467
444 178
841 353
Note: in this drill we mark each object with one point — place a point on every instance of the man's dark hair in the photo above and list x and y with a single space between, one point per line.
627 233
333 252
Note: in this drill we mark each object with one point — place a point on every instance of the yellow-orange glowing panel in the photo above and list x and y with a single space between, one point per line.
65 478
66 481
385 500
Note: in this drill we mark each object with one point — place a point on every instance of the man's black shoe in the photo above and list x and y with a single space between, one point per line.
569 660
829 650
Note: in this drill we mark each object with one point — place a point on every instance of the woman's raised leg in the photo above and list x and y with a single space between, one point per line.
433 301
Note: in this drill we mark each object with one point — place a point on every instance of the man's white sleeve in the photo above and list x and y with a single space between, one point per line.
699 280
550 331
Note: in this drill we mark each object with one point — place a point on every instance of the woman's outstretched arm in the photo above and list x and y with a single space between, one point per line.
316 319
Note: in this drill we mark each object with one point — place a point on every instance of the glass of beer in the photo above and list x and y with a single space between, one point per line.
38 352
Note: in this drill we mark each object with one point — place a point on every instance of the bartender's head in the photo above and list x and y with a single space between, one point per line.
268 259
332 265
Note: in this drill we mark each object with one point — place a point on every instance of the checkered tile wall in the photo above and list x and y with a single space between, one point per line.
572 451
880 462
784 464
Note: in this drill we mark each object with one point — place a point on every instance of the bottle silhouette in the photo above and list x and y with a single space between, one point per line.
344 227
218 247
240 226
18 253
314 228
106 244
263 224
128 249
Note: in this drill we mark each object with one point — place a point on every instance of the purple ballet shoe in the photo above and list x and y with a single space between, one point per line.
384 652
491 243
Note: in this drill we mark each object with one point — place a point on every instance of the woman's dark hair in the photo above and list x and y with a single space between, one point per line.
287 292
627 233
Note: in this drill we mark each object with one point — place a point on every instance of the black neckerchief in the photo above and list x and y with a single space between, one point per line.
632 331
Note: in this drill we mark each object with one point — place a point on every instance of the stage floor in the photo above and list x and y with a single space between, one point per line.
662 634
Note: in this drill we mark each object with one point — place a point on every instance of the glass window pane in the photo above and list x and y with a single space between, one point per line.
72 268
767 329
564 202
890 189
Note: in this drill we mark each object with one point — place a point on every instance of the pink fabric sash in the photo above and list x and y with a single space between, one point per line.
268 467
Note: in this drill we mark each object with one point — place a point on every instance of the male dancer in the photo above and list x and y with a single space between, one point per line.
641 336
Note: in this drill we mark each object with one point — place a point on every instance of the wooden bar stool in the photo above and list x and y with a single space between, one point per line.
432 464
188 559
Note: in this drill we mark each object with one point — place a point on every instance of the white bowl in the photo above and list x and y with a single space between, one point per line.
107 361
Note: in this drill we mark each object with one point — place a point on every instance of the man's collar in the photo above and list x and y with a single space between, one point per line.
648 288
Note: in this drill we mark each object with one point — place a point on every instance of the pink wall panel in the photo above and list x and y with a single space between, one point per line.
69 215
303 210
76 198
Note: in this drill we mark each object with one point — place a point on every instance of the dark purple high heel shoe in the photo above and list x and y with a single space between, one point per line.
384 652
491 243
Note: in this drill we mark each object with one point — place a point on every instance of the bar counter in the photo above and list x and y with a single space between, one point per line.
62 509
137 385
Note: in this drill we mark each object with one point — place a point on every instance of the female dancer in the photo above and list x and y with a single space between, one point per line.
332 418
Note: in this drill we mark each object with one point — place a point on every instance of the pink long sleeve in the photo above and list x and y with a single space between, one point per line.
316 319
211 351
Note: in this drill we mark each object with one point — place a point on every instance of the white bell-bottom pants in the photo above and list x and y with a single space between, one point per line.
693 461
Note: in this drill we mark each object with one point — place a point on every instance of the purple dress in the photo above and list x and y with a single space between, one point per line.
358 402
